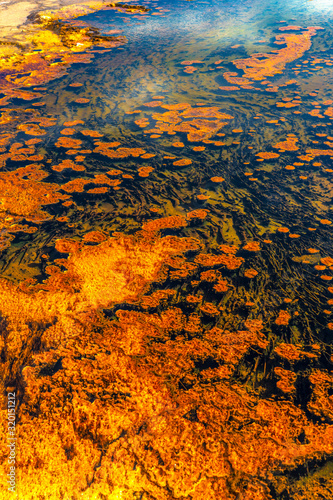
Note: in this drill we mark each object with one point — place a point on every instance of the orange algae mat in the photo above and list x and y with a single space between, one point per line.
166 261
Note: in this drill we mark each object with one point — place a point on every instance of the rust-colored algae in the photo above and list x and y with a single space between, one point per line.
161 350
260 66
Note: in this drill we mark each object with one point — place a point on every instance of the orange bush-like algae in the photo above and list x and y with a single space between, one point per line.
283 318
53 47
260 66
267 155
252 246
288 145
250 273
199 123
23 194
135 397
183 162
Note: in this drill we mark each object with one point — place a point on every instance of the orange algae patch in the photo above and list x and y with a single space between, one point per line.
200 213
252 246
198 123
183 162
189 63
145 171
228 260
289 167
82 100
320 152
250 273
267 155
283 230
153 104
293 235
325 277
67 164
202 197
119 268
287 104
75 186
193 299
210 309
68 131
199 148
283 318
228 249
98 190
73 123
65 142
325 221
221 286
287 379
288 145
91 133
210 276
217 179
23 194
190 69
164 223
148 155
107 149
229 87
259 66
289 351
327 261
31 129
177 144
